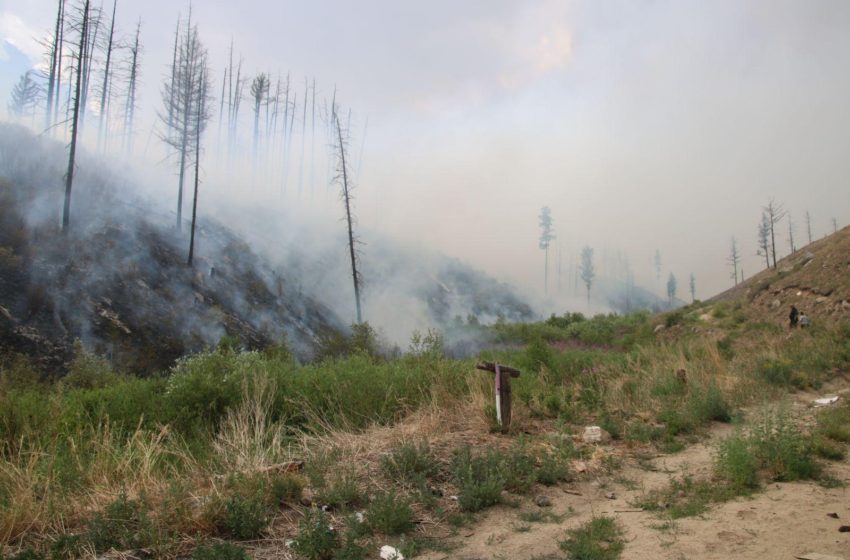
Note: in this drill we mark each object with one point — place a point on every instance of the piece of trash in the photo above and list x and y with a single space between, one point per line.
826 401
595 434
453 498
289 543
358 515
832 515
390 553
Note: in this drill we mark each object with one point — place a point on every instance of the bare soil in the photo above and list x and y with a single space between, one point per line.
781 521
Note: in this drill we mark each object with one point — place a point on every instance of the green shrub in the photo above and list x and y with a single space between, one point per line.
776 372
389 514
287 488
552 470
834 423
123 524
245 516
341 491
683 497
736 464
479 479
538 354
781 449
316 540
829 449
409 463
66 547
599 539
519 469
220 551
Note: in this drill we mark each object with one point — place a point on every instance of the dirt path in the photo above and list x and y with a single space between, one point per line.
782 521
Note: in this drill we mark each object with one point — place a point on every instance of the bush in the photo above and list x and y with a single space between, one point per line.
736 464
245 516
552 471
220 551
479 479
519 470
409 463
389 514
316 540
287 488
123 524
599 539
781 448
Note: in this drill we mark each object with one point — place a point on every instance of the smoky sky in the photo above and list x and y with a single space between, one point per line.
644 125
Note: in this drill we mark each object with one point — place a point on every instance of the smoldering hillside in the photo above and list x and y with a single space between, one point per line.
118 280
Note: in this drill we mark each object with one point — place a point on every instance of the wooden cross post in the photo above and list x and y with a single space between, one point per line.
503 390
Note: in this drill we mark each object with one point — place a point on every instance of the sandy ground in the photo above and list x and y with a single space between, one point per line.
782 521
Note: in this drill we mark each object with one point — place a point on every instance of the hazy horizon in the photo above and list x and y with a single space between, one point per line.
644 126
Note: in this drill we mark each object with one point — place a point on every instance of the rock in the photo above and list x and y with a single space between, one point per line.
595 434
821 299
610 495
542 501
579 466
390 553
775 304
832 515
844 529
845 304
658 329
705 317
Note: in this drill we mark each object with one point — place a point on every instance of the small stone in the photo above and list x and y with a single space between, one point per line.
595 434
832 515
542 501
821 299
611 495
776 304
844 529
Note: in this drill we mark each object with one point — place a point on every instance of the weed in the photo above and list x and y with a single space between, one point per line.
342 491
409 463
736 465
287 488
599 539
518 470
479 479
123 524
316 539
220 551
683 497
245 516
834 423
552 471
389 514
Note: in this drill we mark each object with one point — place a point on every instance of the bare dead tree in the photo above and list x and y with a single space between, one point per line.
130 102
201 116
60 29
75 119
54 61
346 187
25 96
734 259
791 235
774 213
809 226
304 137
180 100
764 239
834 225
90 44
103 119
259 93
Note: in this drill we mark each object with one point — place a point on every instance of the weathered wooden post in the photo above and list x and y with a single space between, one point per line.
503 390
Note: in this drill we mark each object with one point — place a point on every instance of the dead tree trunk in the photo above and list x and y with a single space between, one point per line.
346 198
103 120
69 176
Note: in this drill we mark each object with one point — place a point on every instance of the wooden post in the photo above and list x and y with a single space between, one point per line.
503 376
